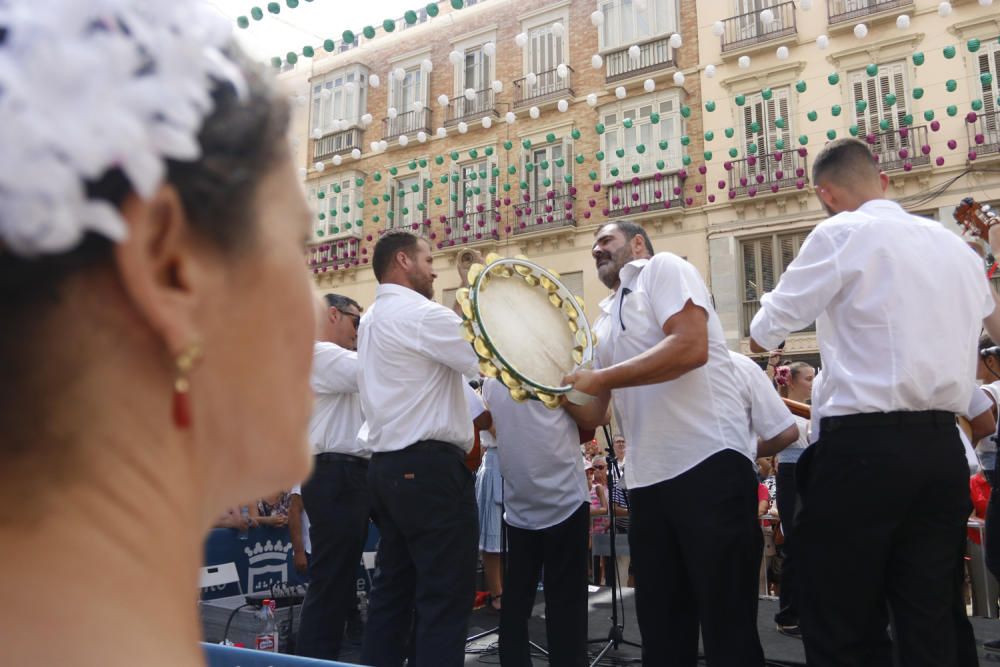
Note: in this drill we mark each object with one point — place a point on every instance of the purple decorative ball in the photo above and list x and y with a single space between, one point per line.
935 125
926 149
952 144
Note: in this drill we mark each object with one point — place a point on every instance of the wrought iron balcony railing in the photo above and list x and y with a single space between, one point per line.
472 227
984 134
336 143
654 55
332 255
769 172
751 28
554 210
406 123
462 108
649 193
843 11
547 86
903 148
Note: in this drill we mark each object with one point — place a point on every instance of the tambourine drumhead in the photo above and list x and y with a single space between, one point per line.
526 326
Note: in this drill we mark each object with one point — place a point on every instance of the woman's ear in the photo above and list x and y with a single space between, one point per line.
158 267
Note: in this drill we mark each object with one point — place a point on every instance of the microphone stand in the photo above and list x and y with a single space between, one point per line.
615 634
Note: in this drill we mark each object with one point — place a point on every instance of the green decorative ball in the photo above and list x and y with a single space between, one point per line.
526 144
686 160
560 162
918 58
800 86
707 155
861 105
308 51
389 25
952 110
833 79
529 167
977 105
410 17
291 4
685 140
523 185
544 164
949 52
929 115
599 128
359 182
580 158
488 151
752 149
766 93
779 144
871 70
779 123
635 169
454 155
620 152
432 9
454 178
511 170
986 78
614 171
369 32
575 134
835 110
256 13
276 62
831 134
457 4
710 106
377 176
907 119
853 130
654 118
918 93
741 100
423 162
890 100
733 152
663 144
473 153
599 155
243 22
803 140
812 116
973 45
592 175
640 149
329 45
951 85
507 145
755 127
660 164
709 136
729 132
506 187
627 123
393 171
274 7
292 57
550 137
686 111
884 125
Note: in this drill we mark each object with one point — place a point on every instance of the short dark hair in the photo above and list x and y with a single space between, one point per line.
631 230
341 302
985 342
844 160
386 248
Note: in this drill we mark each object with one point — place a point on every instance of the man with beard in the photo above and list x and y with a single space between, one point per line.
898 343
694 538
412 361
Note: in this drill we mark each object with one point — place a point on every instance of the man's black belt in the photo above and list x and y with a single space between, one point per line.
429 446
330 457
902 418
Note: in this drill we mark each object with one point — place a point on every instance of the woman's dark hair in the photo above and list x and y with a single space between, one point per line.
240 140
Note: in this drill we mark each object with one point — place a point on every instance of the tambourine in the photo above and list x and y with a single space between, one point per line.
527 328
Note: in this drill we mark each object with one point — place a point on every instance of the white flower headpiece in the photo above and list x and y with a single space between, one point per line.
89 86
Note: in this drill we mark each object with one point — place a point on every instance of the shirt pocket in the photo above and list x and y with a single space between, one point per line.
636 320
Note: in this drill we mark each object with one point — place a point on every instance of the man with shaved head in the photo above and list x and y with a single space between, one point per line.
899 302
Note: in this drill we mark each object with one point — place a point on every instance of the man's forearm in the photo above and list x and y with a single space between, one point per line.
667 360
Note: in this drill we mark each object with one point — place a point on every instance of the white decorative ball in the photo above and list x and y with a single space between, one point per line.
490 49
558 29
443 100
337 160
902 21
562 71
534 112
319 166
497 86
530 78
403 140
427 65
463 128
944 9
596 61
487 122
710 71
336 125
649 85
678 78
418 106
356 153
521 39
383 145
317 133
442 132
392 113
675 41
510 117
373 146
399 73
592 99
303 172
718 29
822 42
782 53
744 62
300 100
597 18
563 106
767 17
374 81
421 136
861 31
634 52
326 93
470 94
367 119
456 58
620 92
350 86
806 5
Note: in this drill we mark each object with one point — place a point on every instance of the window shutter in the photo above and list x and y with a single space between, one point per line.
767 273
857 94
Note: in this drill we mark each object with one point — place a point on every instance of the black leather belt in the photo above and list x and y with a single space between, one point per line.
331 457
429 446
870 419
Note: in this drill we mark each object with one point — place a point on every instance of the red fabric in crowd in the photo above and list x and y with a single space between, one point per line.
979 489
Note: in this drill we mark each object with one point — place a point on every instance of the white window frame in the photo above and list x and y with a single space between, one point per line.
340 106
616 135
987 59
409 202
534 29
793 239
409 63
350 194
536 190
468 205
618 14
766 113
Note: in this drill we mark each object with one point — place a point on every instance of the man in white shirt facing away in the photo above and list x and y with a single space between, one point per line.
899 302
547 516
419 430
771 427
336 496
694 537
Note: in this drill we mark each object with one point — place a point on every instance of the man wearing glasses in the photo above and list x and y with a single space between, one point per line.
336 497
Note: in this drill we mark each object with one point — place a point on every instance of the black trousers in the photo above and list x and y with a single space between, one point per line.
992 532
896 558
337 501
561 551
696 547
787 614
425 504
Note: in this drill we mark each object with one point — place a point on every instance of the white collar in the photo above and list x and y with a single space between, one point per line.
627 274
399 290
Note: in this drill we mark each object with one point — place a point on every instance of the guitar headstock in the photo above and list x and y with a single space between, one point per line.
976 218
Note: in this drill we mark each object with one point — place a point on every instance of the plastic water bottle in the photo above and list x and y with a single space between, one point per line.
267 628
245 527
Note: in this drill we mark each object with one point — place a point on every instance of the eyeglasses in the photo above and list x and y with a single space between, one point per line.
355 319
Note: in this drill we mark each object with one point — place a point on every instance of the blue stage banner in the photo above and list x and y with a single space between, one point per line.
262 560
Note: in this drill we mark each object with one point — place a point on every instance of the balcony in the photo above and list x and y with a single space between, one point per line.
554 211
548 86
336 143
463 109
769 172
333 255
640 195
654 55
406 123
900 149
984 134
747 30
850 11
471 227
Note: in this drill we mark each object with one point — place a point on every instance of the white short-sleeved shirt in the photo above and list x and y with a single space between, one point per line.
989 391
412 361
672 426
894 335
539 454
336 417
767 415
